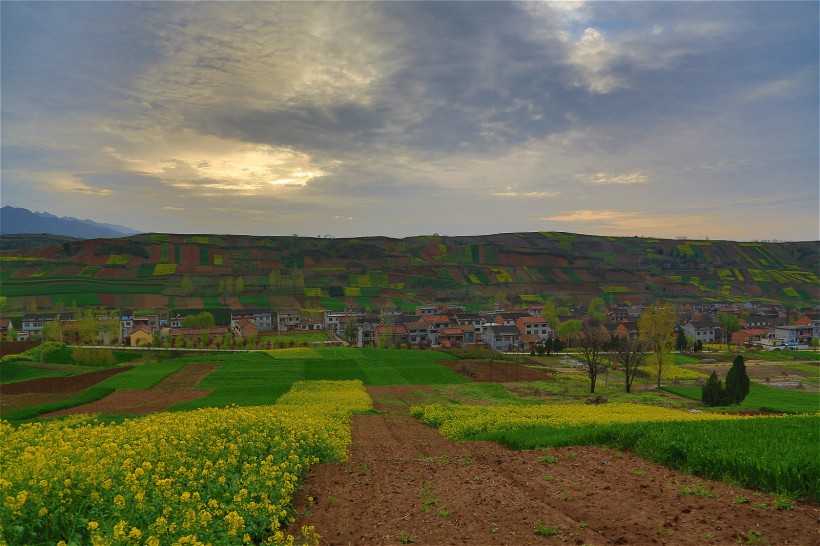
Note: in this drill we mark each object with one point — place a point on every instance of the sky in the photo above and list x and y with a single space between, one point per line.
346 119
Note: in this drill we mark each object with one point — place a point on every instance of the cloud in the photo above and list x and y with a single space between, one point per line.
604 179
62 183
511 192
631 223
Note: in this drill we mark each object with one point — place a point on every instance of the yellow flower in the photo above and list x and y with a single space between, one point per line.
93 526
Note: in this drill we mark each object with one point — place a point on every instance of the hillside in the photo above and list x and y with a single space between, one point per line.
202 271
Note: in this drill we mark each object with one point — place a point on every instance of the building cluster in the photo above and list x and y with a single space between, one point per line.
435 325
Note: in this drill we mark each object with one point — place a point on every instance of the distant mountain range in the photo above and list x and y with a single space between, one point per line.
19 220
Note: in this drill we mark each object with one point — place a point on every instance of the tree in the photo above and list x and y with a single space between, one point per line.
187 285
570 329
656 328
737 381
729 323
712 392
200 320
548 314
596 309
681 343
631 354
591 341
351 330
239 285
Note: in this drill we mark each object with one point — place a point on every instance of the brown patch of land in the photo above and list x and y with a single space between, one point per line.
176 388
405 482
497 371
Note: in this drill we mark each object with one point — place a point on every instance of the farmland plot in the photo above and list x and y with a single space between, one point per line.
405 482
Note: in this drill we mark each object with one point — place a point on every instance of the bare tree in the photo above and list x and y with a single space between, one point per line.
592 342
657 329
631 354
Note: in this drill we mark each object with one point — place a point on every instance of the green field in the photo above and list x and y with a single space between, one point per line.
771 454
11 372
775 454
260 378
763 398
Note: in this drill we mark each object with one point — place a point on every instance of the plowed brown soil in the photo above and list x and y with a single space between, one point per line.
499 371
405 482
176 388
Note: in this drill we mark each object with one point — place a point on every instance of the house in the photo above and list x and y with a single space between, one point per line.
391 336
624 330
812 319
534 325
366 330
33 324
760 320
751 336
420 332
141 335
508 318
244 328
502 338
452 337
287 319
535 310
529 342
427 310
332 319
437 322
263 318
472 319
5 326
309 325
702 331
194 336
793 335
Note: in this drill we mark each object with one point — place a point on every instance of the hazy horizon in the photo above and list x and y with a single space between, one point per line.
399 119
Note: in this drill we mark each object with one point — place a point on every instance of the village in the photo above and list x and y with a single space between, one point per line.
768 327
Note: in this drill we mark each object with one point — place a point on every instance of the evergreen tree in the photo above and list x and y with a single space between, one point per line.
737 381
681 343
712 391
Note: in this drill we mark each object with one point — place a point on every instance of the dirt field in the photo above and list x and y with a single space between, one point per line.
73 384
405 482
499 371
766 373
176 388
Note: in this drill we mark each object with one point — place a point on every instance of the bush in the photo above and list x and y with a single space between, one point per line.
93 357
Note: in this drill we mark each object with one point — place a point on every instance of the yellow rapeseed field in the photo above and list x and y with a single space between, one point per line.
458 421
210 476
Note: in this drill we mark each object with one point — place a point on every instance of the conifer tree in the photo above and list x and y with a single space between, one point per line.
737 381
712 391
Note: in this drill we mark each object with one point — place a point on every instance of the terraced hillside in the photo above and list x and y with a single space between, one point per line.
210 271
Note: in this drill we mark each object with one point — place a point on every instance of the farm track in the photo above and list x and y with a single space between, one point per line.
403 478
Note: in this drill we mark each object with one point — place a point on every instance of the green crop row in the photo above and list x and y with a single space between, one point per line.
47 287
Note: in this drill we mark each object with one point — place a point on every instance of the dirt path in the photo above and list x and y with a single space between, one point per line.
405 482
176 388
